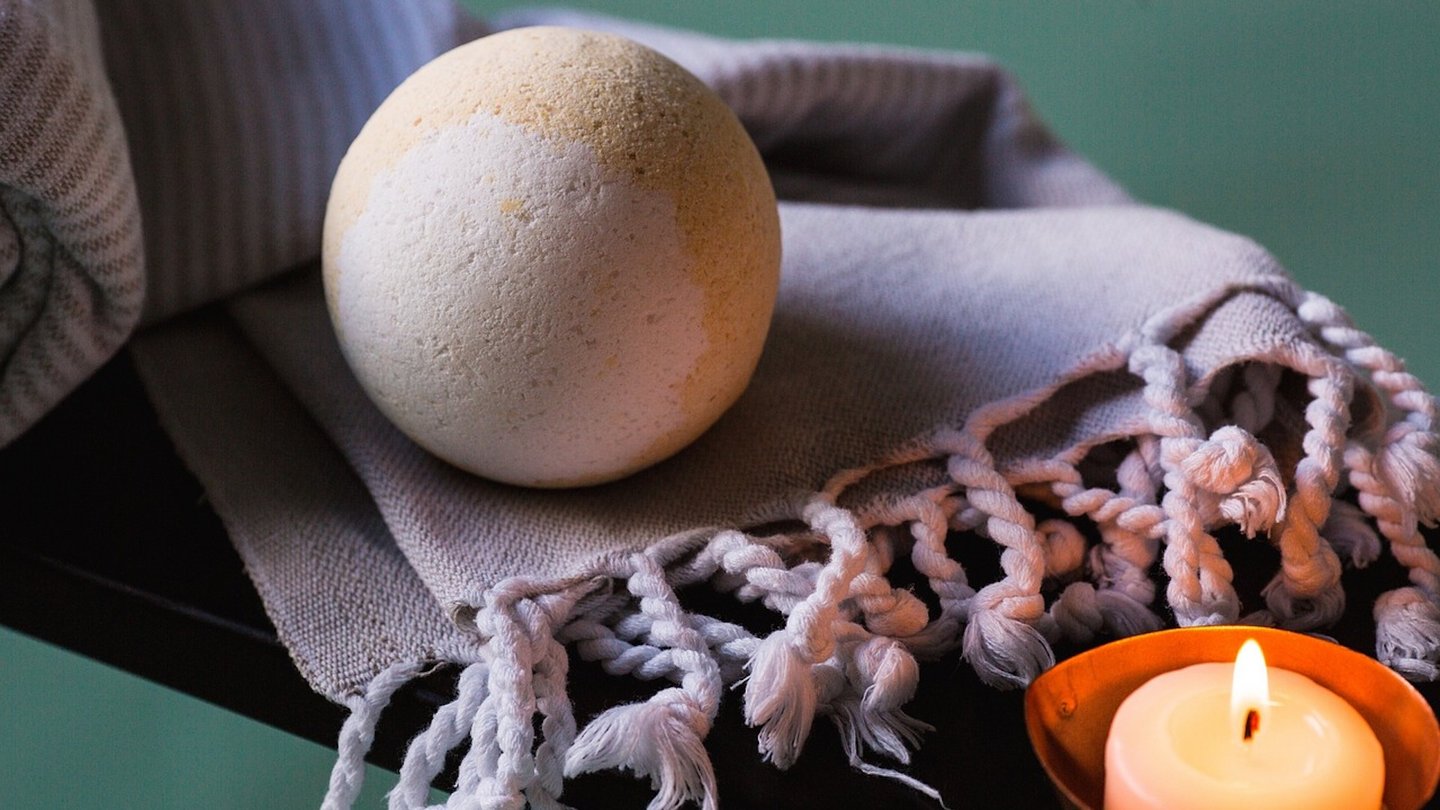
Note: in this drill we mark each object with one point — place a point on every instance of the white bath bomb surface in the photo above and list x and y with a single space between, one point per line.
551 257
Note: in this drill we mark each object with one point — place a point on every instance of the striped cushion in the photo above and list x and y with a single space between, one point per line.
70 249
238 114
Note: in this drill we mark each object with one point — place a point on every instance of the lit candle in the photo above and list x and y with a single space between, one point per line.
1238 735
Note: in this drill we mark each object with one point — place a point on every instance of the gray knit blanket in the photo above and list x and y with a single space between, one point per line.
974 325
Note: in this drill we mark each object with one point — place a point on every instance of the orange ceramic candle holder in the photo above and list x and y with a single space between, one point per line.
1068 709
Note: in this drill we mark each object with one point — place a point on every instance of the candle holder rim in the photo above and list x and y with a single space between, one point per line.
1058 770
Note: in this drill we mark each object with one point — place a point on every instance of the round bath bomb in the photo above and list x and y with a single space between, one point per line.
551 257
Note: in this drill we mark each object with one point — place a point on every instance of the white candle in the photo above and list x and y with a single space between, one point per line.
1181 742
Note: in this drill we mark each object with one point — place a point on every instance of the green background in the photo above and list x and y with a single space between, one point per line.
1309 126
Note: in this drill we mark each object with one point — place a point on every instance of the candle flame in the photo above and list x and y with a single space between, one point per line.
1249 690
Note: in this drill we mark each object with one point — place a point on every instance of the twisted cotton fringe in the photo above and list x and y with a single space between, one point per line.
1396 472
849 646
358 732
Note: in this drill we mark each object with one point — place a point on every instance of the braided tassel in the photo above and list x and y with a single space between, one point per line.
1002 641
664 737
1398 478
1306 594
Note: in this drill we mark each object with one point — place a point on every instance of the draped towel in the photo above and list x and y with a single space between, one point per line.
973 324
71 262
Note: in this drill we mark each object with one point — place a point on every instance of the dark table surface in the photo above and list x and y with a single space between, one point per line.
113 552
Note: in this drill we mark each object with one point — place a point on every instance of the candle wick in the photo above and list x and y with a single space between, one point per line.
1252 724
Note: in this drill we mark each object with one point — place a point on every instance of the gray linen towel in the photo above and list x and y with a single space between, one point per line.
972 321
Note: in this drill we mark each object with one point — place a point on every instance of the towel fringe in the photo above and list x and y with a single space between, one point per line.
1349 531
501 762
662 738
358 732
1001 640
890 732
1407 633
450 726
1306 593
1397 475
1118 600
780 695
1200 590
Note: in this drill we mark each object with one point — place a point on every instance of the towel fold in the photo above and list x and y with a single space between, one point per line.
71 264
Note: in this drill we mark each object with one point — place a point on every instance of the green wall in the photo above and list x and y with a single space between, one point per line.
1306 125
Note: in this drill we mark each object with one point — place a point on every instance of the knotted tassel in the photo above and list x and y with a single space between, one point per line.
1407 461
1077 613
1240 476
1351 535
884 673
890 732
1064 547
664 737
780 698
780 693
1001 640
1083 613
1407 633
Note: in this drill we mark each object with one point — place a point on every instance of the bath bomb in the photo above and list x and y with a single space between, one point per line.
551 257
